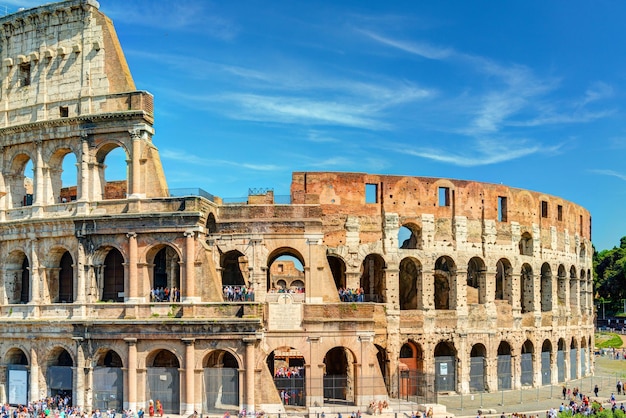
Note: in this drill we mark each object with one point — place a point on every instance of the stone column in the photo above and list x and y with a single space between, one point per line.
34 375
135 191
189 293
248 402
130 290
314 374
38 186
82 188
79 374
189 405
34 272
82 270
131 385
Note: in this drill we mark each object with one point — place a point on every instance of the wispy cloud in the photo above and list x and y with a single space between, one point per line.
611 173
189 158
484 152
422 49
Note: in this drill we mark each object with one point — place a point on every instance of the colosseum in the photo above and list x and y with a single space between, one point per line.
361 288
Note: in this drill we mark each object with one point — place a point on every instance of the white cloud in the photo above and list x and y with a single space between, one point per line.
190 158
611 173
422 49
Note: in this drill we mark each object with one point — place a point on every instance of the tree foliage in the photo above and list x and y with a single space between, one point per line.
610 276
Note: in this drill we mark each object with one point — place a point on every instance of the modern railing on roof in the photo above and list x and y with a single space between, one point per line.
193 191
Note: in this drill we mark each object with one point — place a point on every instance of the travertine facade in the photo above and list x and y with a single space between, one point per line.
482 286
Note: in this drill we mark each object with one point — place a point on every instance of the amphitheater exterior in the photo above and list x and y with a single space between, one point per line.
456 286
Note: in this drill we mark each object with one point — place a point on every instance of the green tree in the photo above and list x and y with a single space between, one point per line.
610 276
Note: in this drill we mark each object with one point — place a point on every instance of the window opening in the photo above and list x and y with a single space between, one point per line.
444 196
502 209
559 212
371 193
64 111
24 79
544 209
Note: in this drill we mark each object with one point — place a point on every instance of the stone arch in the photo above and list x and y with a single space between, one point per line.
410 237
476 281
234 266
561 289
221 381
382 358
445 283
411 370
211 224
17 376
54 182
573 358
527 288
110 274
17 277
59 373
582 253
546 362
108 380
526 244
372 279
445 367
340 375
412 355
478 368
411 284
287 366
162 379
164 265
504 281
59 276
546 288
105 189
16 355
338 270
573 288
582 289
504 367
527 362
19 185
290 267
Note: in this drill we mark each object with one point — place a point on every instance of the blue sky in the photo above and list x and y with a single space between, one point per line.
529 94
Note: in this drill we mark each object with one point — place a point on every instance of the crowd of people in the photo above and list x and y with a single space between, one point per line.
238 293
351 295
289 372
165 294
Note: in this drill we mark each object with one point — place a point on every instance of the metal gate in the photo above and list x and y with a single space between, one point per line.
416 386
504 372
291 389
59 380
477 374
221 389
445 374
527 369
546 372
573 363
560 365
108 388
164 385
335 387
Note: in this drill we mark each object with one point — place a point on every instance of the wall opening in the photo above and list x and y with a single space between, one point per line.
444 196
502 209
371 193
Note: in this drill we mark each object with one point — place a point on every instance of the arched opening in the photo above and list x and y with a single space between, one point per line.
478 366
373 278
445 367
338 270
108 381
504 281
59 374
235 275
66 279
414 382
573 289
410 276
287 366
583 252
560 360
339 376
526 244
221 382
573 359
162 380
17 278
112 283
527 290
410 237
476 281
505 374
63 173
445 280
20 181
112 173
211 224
25 282
546 288
527 363
546 370
165 274
285 266
17 376
582 285
561 290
